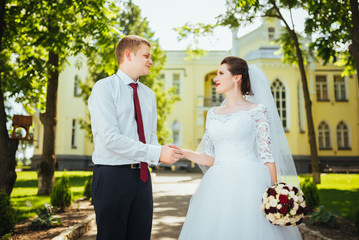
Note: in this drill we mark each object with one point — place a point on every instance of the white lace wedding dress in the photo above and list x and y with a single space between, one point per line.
226 205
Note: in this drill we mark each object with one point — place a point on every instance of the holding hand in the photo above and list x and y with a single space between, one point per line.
170 154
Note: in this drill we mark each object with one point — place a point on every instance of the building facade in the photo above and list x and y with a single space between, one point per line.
335 104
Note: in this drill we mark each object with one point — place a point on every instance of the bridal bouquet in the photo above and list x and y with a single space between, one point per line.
284 205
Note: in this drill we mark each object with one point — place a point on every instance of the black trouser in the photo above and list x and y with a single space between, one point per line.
123 203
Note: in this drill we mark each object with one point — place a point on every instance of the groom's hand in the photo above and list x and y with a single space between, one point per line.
170 154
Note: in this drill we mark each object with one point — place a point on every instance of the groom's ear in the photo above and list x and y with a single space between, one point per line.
127 55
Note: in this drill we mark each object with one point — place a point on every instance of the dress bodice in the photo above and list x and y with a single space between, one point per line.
238 137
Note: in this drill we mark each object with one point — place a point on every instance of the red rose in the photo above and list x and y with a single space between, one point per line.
271 192
272 209
286 187
283 199
283 211
300 210
295 190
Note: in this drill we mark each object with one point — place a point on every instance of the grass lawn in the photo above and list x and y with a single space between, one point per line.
25 191
340 192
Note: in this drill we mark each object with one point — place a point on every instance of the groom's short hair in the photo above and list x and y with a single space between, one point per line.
130 42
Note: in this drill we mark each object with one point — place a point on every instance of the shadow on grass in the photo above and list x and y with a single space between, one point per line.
343 201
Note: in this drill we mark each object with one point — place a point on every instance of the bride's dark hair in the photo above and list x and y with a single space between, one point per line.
237 66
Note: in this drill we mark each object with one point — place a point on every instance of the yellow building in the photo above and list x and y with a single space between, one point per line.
335 104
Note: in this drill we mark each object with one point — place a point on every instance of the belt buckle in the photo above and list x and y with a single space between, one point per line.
134 166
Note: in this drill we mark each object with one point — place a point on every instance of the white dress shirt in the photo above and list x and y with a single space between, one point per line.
114 126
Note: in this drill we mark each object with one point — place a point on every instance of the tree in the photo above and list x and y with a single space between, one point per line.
244 12
336 23
130 22
56 30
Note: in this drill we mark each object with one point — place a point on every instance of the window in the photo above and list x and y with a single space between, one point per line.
271 33
73 135
176 130
279 95
324 136
77 89
322 88
176 82
339 88
343 136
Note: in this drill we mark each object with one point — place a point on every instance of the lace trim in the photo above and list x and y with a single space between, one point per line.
263 138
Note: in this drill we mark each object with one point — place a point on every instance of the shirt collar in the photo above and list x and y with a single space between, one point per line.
125 78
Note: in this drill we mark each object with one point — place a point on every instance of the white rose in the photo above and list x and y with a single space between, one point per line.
270 198
300 199
295 206
265 195
286 219
284 192
295 198
273 203
267 206
302 204
270 217
281 222
292 212
279 206
277 215
292 220
297 218
291 194
300 192
262 207
280 186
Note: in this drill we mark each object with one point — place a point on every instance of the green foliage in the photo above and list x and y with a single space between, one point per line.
311 193
88 185
7 219
61 195
330 21
44 219
323 216
129 21
24 196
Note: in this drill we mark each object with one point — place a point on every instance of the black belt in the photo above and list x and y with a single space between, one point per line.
129 166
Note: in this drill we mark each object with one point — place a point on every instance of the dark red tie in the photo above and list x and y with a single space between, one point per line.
141 133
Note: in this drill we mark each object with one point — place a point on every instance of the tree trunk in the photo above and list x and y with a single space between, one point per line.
46 169
8 146
354 47
8 149
315 163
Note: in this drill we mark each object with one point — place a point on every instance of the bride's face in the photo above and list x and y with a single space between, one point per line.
224 80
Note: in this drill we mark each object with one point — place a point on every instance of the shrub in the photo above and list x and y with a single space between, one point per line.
356 219
7 219
323 216
311 193
61 195
44 218
88 185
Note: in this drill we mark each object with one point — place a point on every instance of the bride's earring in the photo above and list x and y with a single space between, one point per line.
235 88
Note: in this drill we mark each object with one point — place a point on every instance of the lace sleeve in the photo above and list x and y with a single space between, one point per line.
263 138
208 144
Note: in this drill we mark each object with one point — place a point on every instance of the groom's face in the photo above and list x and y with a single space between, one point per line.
141 60
224 79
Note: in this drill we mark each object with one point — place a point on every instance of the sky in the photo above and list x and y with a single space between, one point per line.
165 15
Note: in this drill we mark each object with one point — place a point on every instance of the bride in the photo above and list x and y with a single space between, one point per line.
245 146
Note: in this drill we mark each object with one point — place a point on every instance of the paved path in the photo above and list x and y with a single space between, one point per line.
171 192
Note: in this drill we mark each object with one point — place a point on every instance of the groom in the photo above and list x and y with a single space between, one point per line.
124 123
